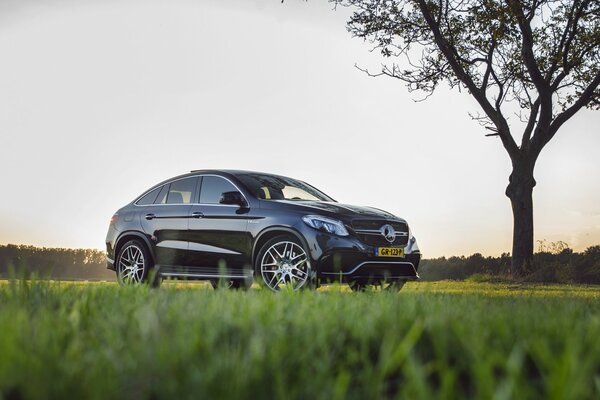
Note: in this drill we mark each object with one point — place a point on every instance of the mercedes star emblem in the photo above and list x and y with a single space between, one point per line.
389 233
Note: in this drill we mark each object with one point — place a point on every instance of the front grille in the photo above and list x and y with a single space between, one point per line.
376 224
369 232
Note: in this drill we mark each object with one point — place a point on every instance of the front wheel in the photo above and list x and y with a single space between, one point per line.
283 262
134 265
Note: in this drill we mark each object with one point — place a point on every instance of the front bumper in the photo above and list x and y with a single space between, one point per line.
338 265
348 259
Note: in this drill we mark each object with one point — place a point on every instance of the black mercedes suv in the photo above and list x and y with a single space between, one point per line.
236 227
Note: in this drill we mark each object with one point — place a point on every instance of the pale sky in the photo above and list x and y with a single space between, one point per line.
99 100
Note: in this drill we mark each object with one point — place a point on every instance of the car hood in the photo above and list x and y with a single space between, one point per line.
345 210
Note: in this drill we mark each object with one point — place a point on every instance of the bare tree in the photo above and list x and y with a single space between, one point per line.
538 58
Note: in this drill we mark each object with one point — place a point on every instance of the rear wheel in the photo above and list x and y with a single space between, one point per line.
135 266
283 262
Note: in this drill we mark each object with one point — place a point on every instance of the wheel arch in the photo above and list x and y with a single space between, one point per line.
126 236
272 232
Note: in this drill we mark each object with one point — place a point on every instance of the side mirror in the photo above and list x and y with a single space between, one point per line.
233 197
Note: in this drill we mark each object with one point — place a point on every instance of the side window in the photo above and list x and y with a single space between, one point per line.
162 196
212 188
149 197
182 191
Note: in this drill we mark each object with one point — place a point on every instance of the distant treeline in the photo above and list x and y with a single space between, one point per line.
53 263
554 263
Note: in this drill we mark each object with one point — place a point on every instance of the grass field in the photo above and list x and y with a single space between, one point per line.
432 340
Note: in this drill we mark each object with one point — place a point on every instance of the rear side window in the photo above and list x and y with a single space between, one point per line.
182 191
149 197
162 196
213 187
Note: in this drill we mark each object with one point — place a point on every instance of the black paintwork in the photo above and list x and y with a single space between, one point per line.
204 241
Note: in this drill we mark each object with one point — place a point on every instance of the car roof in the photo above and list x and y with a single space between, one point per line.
231 172
227 171
224 172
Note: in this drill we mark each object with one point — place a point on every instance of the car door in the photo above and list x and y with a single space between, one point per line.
218 237
166 221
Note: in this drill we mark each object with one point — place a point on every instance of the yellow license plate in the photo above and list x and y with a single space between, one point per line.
389 252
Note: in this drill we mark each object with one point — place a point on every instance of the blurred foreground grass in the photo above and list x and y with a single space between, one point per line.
432 340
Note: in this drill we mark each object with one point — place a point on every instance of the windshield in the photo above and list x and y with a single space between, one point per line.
272 187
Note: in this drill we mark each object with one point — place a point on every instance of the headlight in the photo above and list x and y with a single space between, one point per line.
325 224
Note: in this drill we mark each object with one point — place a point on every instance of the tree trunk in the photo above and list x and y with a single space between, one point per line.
520 191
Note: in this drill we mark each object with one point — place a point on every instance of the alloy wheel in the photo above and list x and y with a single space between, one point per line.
131 265
285 263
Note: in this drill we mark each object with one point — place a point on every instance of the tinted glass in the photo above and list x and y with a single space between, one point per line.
273 187
182 191
162 196
213 187
149 197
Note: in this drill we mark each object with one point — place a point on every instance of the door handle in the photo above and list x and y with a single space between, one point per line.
150 216
197 214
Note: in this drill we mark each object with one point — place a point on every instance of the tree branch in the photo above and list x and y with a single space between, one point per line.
527 49
530 124
566 39
496 117
588 94
488 69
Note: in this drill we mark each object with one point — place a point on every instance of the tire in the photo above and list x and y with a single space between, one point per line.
134 265
284 262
